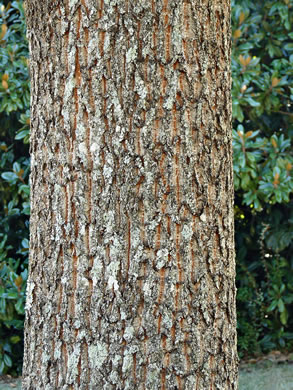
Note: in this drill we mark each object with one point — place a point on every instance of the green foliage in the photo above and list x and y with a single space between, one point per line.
14 89
12 297
262 168
262 67
263 122
265 280
14 189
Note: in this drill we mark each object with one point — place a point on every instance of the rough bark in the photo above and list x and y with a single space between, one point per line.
131 282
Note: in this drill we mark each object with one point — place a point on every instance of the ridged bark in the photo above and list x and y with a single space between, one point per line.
131 276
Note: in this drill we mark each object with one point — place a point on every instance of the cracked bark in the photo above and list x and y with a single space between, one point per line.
131 275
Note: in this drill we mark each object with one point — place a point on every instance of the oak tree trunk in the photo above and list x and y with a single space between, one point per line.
131 275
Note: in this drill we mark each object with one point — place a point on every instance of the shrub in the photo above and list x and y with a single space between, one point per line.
14 189
263 127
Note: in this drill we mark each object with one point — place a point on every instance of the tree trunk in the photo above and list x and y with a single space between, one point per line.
131 280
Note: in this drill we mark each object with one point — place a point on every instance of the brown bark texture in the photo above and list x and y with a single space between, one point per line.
131 275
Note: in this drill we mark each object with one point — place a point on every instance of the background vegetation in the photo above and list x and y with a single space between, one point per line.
262 68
